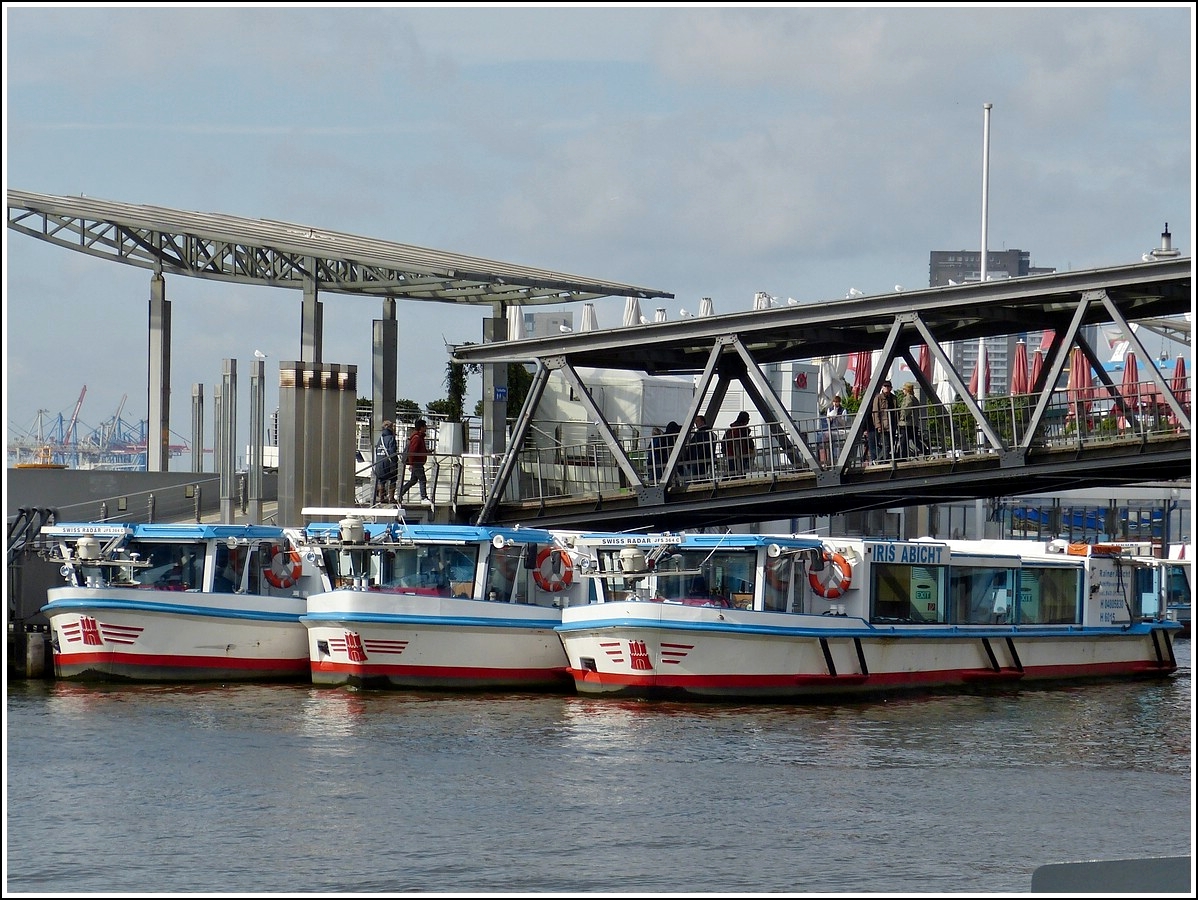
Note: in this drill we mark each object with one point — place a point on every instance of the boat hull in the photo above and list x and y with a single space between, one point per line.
146 635
664 650
374 639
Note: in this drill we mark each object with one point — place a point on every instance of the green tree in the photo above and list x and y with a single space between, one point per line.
455 391
407 410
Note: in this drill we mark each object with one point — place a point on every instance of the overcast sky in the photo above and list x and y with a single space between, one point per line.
707 152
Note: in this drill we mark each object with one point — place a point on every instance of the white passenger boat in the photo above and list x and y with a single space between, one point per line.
752 616
179 602
439 606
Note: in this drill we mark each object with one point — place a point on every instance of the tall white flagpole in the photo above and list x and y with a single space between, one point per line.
985 181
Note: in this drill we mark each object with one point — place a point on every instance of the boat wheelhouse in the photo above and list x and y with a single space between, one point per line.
179 602
791 617
445 607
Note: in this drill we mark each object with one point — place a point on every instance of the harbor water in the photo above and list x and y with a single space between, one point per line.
298 789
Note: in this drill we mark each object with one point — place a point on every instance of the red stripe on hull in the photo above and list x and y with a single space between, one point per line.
450 677
792 685
159 667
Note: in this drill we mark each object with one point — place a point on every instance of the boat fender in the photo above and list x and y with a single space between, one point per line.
549 580
835 578
285 569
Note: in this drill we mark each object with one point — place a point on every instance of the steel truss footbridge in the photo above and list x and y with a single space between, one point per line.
1046 440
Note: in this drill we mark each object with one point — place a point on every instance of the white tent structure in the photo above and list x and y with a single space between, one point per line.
632 312
589 322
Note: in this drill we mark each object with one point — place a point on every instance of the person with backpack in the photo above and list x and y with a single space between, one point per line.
386 464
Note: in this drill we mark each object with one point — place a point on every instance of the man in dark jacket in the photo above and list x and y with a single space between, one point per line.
386 464
884 411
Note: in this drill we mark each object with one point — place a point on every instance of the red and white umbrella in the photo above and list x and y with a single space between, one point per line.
1019 369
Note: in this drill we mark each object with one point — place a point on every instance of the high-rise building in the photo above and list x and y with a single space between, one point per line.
962 266
544 324
948 267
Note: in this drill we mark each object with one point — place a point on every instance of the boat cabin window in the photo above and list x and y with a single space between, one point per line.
693 577
420 569
779 575
229 569
700 577
507 579
172 566
982 595
1147 588
907 594
1049 595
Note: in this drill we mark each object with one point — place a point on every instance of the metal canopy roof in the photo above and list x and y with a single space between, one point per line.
1143 291
281 254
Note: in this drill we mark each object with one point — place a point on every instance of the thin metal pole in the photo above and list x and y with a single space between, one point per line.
985 182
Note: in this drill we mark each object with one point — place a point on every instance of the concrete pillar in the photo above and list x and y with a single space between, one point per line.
159 378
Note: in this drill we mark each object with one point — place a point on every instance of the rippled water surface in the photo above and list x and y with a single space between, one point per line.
297 789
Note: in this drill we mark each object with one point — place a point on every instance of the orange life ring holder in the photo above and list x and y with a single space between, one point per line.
835 578
546 578
285 569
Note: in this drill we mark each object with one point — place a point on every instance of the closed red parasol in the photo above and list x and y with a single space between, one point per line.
863 366
1079 389
1179 384
1037 366
1130 388
1019 369
925 362
979 381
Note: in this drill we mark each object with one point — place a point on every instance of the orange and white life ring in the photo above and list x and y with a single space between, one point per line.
546 578
834 579
285 569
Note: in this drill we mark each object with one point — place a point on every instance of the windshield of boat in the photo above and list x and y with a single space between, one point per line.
440 570
684 575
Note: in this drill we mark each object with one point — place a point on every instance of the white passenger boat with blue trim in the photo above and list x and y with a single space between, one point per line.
444 607
791 617
179 602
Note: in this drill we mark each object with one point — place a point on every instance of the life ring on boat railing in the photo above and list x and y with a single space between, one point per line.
285 568
546 578
835 578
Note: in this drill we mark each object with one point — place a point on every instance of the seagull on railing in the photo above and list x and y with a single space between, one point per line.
564 329
853 292
898 288
682 313
791 301
258 354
